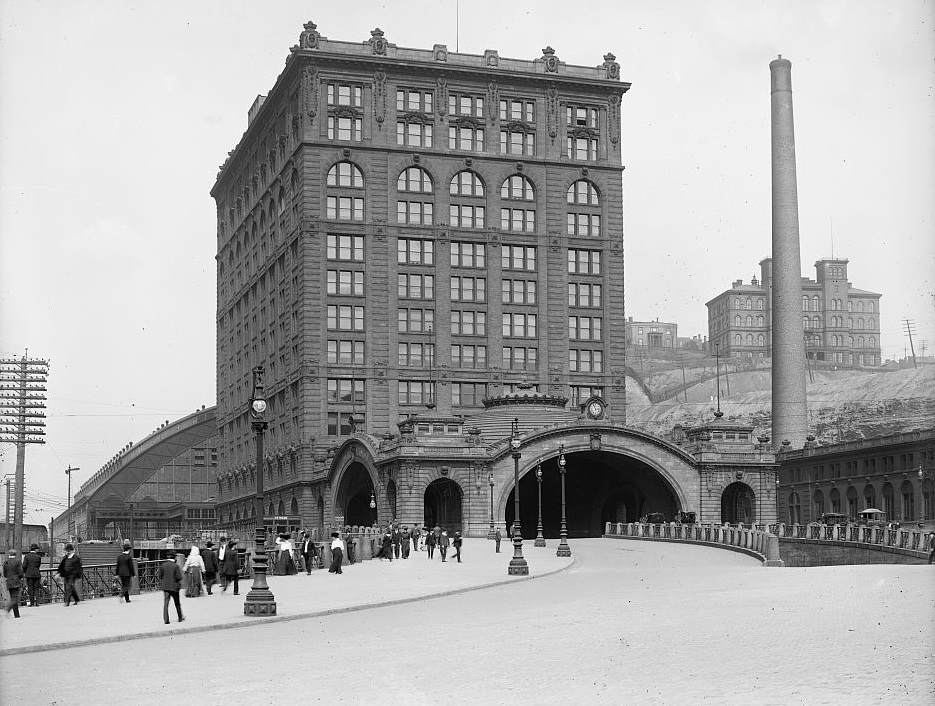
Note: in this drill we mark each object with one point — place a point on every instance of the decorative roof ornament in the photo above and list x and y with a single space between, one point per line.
611 67
378 41
310 37
550 60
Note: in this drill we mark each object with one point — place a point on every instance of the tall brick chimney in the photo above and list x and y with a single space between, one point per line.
789 409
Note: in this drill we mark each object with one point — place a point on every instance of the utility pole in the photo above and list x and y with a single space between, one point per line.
22 420
6 527
68 527
684 383
910 329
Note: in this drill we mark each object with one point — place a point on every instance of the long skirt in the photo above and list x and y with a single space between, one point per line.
285 564
337 556
193 582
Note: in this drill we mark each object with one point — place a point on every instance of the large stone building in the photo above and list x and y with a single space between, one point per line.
840 323
420 247
652 334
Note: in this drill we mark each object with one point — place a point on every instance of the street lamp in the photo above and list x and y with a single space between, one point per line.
71 519
518 565
491 533
563 548
540 540
260 600
373 507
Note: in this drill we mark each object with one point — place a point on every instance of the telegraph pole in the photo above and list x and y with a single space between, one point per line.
69 525
22 420
910 325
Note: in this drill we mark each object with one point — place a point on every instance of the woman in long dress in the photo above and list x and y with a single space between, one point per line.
194 568
285 564
337 554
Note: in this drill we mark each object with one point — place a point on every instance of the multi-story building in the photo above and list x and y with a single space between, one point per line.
840 324
403 229
652 334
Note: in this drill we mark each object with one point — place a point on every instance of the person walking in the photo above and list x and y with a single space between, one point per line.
170 581
397 540
13 573
430 544
350 547
125 570
210 559
387 550
337 553
69 568
308 552
194 568
443 543
285 564
230 567
32 569
456 543
496 538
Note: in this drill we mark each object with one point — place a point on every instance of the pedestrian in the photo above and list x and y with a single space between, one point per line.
430 544
932 544
349 546
13 573
170 581
443 543
308 552
69 568
285 564
230 567
210 559
32 568
337 554
125 570
387 551
405 542
423 533
397 539
457 545
194 568
496 538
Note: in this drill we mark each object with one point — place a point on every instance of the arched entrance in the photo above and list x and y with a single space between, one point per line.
600 486
737 504
443 505
353 496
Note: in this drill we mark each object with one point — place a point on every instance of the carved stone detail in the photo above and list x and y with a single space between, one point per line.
377 42
493 101
491 58
550 60
379 97
310 37
441 91
440 52
310 92
552 109
611 67
613 118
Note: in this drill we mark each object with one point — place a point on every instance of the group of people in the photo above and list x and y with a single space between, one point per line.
28 570
397 542
198 574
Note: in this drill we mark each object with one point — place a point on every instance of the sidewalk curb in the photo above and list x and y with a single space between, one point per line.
246 623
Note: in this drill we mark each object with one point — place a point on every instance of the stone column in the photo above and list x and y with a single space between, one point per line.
789 410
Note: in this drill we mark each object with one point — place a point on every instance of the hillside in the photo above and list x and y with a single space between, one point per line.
842 404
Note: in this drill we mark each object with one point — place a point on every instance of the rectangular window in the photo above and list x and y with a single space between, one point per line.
466 216
517 110
344 94
581 148
345 390
585 361
518 291
468 394
584 328
466 138
414 134
468 289
468 254
581 393
346 282
411 251
415 286
518 220
469 323
472 106
586 225
416 391
416 354
468 356
518 257
586 262
409 100
520 358
416 320
346 318
581 116
588 295
343 128
516 325
345 208
340 423
517 142
418 213
346 352
345 247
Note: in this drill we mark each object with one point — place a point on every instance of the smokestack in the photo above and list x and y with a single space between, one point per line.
789 411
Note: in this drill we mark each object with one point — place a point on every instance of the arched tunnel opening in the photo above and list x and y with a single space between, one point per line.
600 486
353 496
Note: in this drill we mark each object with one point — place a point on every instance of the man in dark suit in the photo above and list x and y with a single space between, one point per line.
230 567
13 573
308 552
397 537
69 568
443 543
125 570
170 581
32 568
210 558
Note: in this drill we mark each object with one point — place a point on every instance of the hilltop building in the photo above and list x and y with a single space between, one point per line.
840 323
652 334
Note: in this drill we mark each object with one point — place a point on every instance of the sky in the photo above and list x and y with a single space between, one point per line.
114 118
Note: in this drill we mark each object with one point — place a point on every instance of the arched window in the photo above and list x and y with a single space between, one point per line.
806 322
850 306
860 341
414 204
749 339
871 307
736 303
514 214
860 322
804 302
737 339
748 321
737 320
760 340
759 320
294 507
467 200
872 342
345 199
584 214
816 303
759 304
860 306
835 305
816 322
872 324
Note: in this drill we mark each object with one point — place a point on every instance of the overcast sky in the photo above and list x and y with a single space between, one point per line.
114 117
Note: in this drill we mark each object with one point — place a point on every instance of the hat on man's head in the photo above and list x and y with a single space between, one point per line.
33 547
223 539
209 544
12 552
69 547
127 545
335 534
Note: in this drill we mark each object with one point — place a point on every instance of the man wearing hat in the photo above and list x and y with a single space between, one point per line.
32 568
125 570
69 568
13 573
170 581
210 559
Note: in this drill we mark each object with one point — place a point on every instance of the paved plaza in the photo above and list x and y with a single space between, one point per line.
622 622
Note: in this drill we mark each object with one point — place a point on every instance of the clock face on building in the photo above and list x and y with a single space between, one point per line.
595 409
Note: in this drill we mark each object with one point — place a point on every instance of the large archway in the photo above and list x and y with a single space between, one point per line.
737 504
353 496
443 505
600 486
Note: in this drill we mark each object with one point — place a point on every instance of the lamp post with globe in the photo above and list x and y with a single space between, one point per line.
540 540
260 600
518 565
563 548
492 532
